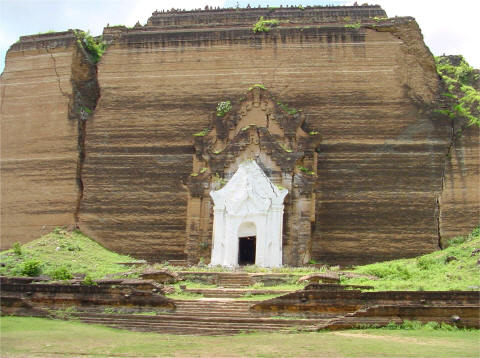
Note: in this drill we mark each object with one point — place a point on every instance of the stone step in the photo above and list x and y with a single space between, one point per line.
204 317
188 325
208 320
182 263
232 292
203 331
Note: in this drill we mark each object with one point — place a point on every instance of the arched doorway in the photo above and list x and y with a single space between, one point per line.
247 243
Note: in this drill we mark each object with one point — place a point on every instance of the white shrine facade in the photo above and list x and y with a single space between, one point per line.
248 207
244 164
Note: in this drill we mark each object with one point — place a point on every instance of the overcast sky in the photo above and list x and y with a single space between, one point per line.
449 27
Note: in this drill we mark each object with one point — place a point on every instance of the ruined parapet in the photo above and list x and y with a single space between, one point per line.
22 298
454 307
248 16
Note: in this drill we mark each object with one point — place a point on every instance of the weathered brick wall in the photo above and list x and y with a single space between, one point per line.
378 167
382 164
38 141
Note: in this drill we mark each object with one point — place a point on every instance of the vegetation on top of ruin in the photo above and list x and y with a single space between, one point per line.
462 84
454 268
353 26
61 254
263 25
95 46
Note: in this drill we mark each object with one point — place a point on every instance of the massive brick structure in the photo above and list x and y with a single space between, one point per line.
385 176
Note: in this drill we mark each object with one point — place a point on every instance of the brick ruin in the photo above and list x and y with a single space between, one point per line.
336 104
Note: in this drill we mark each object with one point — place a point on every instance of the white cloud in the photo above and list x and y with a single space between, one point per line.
448 27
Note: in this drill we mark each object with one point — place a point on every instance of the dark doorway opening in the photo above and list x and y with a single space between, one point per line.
246 250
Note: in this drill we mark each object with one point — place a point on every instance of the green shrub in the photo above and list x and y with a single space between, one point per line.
93 45
287 109
456 241
306 170
426 262
392 271
88 281
432 325
263 25
392 325
17 249
409 325
464 99
202 133
353 26
61 273
31 268
447 327
223 108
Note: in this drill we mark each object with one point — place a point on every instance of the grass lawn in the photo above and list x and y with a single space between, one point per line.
454 268
38 337
62 252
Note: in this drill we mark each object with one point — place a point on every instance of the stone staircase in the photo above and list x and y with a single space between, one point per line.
203 317
234 280
231 292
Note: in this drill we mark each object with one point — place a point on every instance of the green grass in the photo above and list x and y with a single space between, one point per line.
37 337
300 271
429 272
62 252
292 286
252 297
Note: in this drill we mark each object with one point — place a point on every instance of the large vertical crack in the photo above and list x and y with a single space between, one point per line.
57 75
85 94
444 170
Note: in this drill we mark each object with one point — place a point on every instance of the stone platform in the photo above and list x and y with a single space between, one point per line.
139 306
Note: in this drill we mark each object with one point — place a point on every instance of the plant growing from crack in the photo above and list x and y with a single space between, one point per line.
218 179
287 109
202 133
285 148
223 108
203 170
94 46
306 170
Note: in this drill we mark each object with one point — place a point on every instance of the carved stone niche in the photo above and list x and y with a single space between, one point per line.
269 133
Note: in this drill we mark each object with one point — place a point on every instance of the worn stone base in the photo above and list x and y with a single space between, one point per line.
18 297
351 308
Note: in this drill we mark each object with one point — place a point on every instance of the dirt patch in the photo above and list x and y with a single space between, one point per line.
389 338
